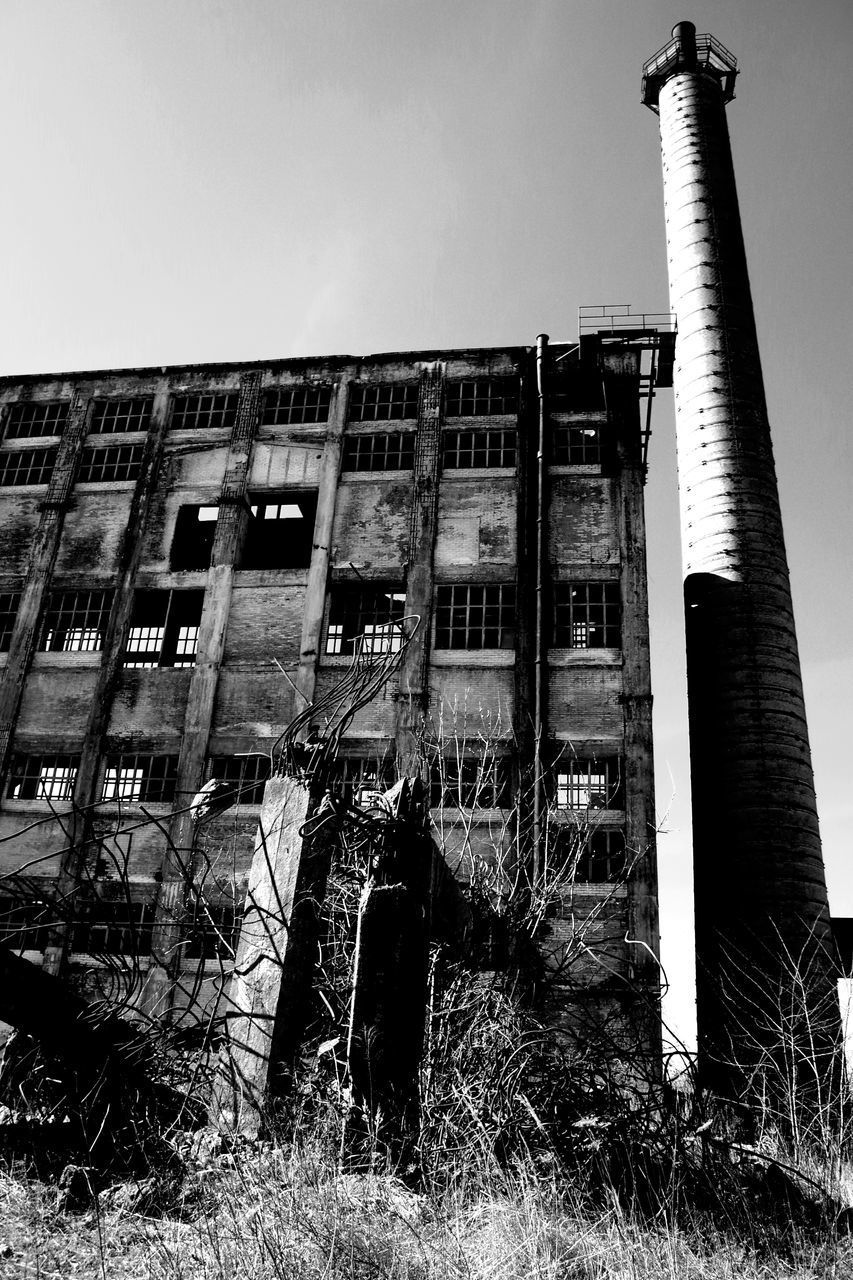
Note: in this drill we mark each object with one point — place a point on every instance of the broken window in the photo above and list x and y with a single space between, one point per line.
140 778
76 621
470 782
280 534
26 466
213 931
195 530
246 774
596 857
294 406
42 777
205 411
469 397
9 604
587 615
121 415
383 401
468 616
110 462
369 610
572 391
589 784
25 926
576 443
478 449
36 418
164 629
361 780
112 928
390 451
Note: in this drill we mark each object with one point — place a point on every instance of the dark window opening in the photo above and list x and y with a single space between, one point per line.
575 444
471 782
295 406
76 621
164 629
589 784
391 451
27 466
361 780
587 615
121 415
280 533
110 462
370 612
113 928
478 449
206 411
475 617
31 418
25 926
42 777
247 775
383 401
579 390
471 397
141 778
195 530
9 604
213 931
597 857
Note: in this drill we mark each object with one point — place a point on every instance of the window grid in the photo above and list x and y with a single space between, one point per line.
587 615
291 406
471 397
206 411
25 926
164 629
36 418
42 777
390 451
121 415
9 604
246 774
371 613
470 782
478 449
362 779
113 928
110 462
383 401
145 778
26 466
590 784
576 444
475 617
76 621
213 931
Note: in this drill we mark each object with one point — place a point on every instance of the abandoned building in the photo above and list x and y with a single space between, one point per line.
189 556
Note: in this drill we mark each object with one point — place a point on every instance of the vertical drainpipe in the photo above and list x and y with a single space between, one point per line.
538 675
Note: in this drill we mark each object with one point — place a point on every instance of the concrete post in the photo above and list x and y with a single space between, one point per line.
760 890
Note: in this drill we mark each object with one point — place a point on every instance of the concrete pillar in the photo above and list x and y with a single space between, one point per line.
759 877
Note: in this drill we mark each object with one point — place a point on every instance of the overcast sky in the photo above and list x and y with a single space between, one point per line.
200 180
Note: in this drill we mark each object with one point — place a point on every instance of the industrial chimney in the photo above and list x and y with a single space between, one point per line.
761 903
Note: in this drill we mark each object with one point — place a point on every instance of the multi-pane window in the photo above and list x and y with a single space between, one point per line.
361 780
212 931
292 406
470 782
589 784
112 928
478 449
36 418
280 534
370 612
121 415
25 926
42 777
471 397
76 621
110 462
383 401
246 774
593 857
587 615
140 778
576 443
26 466
470 616
192 544
164 629
390 451
206 410
9 604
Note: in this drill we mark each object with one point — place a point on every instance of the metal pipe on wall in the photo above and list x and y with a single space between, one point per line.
538 677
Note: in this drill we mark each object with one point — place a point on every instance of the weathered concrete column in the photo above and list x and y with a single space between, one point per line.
760 888
269 995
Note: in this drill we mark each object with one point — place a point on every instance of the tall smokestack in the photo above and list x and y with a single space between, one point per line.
759 879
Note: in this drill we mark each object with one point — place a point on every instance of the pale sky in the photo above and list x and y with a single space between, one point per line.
202 180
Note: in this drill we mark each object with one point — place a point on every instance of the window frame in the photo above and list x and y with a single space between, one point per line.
177 638
41 470
154 780
61 766
75 611
379 451
566 452
106 420
122 461
220 412
583 784
352 623
454 606
482 396
20 410
576 621
296 406
383 402
248 774
10 604
484 449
